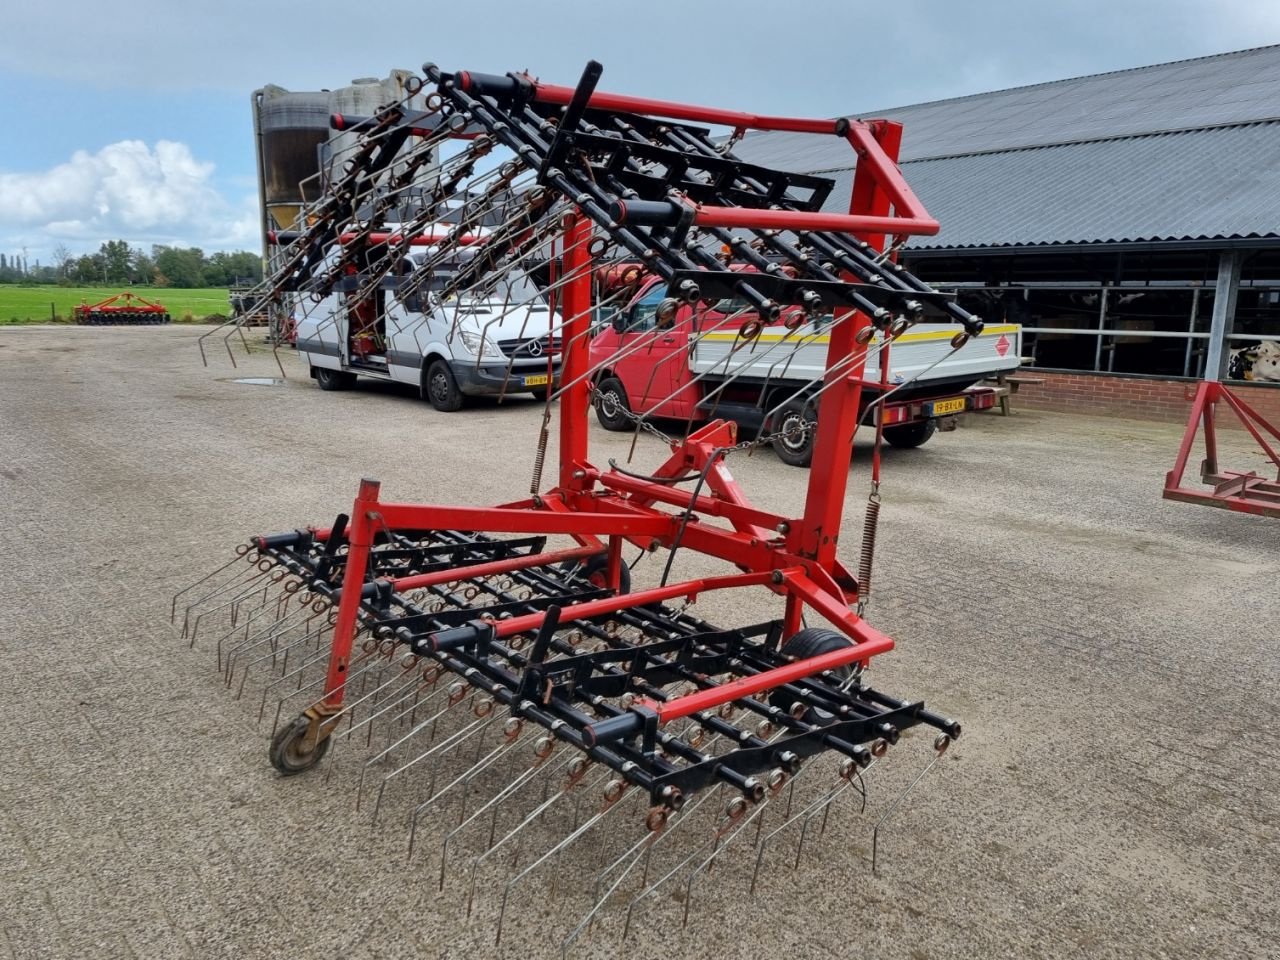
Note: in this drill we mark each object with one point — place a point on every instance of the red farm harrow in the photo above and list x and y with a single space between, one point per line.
502 652
123 309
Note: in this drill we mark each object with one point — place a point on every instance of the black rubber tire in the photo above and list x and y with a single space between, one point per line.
286 755
911 434
811 642
795 449
327 379
612 407
594 570
440 389
540 394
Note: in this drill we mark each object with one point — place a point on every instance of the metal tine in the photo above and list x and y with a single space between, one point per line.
610 805
577 769
244 586
305 639
255 614
635 853
821 804
173 607
458 736
414 683
511 741
320 656
940 744
513 787
272 632
450 743
729 834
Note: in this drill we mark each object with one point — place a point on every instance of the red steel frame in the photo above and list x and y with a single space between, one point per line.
793 557
1242 492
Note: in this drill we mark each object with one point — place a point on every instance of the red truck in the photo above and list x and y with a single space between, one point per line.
694 364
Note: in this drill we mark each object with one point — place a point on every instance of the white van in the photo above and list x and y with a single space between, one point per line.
498 342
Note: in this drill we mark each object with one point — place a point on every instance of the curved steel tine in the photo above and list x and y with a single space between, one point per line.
940 747
717 847
271 655
562 845
539 766
173 607
466 777
453 740
635 853
244 587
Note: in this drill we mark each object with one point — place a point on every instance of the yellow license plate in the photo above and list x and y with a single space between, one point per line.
941 407
542 379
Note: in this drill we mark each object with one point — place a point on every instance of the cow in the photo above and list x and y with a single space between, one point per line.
1260 363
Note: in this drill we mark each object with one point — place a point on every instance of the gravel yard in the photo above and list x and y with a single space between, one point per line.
1111 656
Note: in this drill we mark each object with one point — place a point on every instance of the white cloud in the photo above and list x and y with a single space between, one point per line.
127 190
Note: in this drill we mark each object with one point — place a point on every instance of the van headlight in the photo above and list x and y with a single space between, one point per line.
478 344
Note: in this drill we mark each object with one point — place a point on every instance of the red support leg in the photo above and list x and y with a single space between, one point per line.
344 629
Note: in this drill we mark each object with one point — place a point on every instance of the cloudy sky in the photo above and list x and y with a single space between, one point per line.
130 119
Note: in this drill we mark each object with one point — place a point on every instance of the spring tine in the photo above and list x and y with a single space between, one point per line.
509 790
189 629
717 848
173 606
454 739
939 748
555 850
465 778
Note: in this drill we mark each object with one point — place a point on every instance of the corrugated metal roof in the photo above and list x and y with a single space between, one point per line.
1160 153
1228 88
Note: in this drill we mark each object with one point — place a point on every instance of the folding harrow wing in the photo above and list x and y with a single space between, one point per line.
451 640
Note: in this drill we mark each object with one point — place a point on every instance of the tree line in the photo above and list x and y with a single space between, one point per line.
116 264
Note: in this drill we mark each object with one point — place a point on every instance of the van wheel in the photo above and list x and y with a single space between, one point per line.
611 405
540 394
327 379
911 434
796 427
441 389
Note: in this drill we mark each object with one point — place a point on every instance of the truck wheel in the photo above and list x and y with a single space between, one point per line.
611 406
910 434
327 379
441 389
796 427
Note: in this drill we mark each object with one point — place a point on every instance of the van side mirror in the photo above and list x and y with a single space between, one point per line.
619 320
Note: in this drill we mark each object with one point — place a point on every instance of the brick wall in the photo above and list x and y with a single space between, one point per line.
1136 398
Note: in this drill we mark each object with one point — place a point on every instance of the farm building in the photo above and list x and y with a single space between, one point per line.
1129 220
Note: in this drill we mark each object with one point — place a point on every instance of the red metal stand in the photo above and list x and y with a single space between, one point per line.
1232 490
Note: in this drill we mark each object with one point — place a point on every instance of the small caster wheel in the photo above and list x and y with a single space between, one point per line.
290 753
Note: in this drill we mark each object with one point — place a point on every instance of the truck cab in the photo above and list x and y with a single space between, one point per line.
693 363
489 343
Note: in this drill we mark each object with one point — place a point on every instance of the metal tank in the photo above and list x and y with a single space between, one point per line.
290 127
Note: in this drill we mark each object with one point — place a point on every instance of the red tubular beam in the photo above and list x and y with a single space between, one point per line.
594 608
493 567
746 218
736 513
551 93
407 516
344 628
888 177
757 683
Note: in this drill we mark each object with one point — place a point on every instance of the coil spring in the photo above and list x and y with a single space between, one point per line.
540 455
867 552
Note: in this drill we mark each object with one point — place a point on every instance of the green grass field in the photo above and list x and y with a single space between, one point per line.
21 304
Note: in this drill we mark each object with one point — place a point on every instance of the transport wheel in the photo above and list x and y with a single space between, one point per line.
594 570
441 389
611 405
288 755
812 642
911 434
540 394
797 426
327 379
